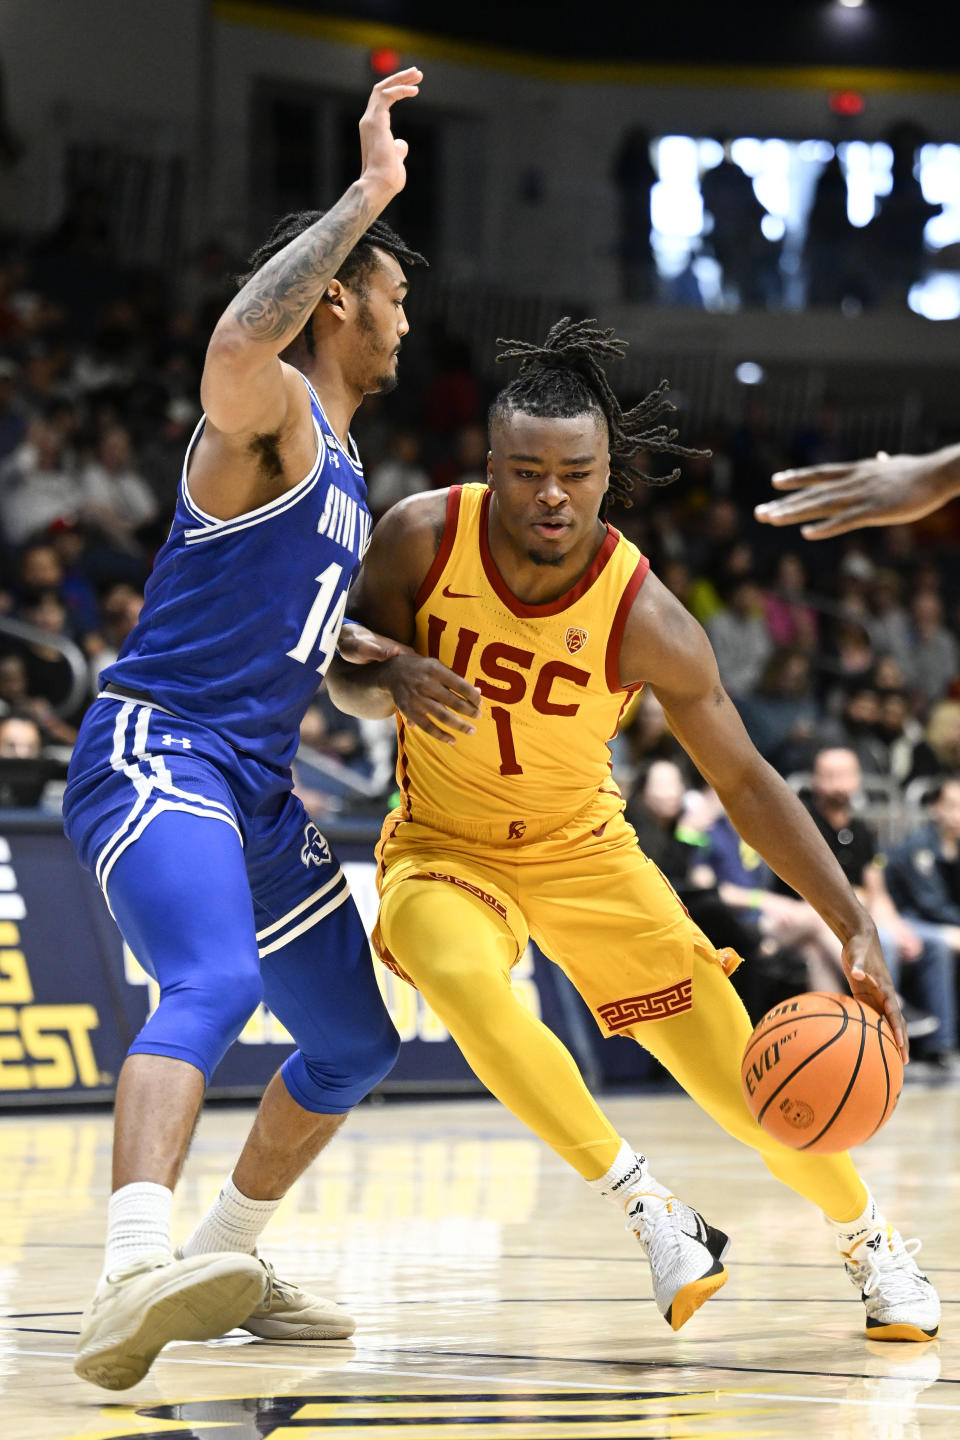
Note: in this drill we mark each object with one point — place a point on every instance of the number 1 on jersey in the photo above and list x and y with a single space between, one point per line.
508 755
318 619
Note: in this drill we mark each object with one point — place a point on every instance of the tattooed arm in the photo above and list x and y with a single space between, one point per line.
259 439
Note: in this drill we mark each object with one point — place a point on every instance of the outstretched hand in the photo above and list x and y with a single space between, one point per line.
382 152
869 978
834 499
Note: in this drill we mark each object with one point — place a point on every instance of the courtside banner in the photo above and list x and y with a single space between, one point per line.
72 995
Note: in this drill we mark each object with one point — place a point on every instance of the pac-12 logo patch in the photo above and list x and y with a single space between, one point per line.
576 638
315 850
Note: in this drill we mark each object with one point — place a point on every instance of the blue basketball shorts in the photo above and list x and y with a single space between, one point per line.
227 894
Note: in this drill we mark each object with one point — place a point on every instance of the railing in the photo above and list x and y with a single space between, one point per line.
72 654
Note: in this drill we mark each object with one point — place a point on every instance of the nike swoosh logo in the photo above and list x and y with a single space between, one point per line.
456 594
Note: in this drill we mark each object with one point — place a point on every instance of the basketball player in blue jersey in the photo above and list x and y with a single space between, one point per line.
179 796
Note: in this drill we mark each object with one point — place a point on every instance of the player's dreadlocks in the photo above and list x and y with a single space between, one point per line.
355 269
565 377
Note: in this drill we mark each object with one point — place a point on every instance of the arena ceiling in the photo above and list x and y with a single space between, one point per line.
877 33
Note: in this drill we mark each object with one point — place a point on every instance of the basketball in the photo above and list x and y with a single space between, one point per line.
821 1072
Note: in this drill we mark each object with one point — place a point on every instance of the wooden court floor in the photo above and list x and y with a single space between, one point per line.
496 1296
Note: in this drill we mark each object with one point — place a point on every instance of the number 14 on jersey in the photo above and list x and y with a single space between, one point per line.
323 621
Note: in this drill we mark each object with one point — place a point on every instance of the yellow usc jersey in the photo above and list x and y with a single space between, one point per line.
549 677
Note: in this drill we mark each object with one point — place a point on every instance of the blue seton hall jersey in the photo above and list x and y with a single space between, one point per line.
241 617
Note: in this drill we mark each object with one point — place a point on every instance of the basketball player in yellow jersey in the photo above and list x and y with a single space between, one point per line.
531 622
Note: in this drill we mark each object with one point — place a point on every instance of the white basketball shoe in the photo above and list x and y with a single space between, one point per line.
900 1301
685 1253
141 1307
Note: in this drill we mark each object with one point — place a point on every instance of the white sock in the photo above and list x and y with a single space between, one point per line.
849 1232
626 1175
233 1222
138 1223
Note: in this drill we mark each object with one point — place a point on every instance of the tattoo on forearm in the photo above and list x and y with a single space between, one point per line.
276 303
719 696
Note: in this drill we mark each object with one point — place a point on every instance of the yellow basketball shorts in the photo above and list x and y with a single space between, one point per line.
587 895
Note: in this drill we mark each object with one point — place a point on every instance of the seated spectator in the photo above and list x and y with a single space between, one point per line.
888 621
468 464
647 735
924 962
23 771
791 621
36 488
923 877
398 477
739 635
344 762
923 872
20 737
119 613
860 728
116 497
696 594
887 673
78 568
13 413
853 653
15 697
900 731
745 883
48 672
161 457
782 716
939 751
933 658
38 569
657 810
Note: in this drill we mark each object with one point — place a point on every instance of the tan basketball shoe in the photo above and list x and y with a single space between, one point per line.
286 1312
141 1307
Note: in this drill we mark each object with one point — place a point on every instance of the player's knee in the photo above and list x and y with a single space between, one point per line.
455 975
241 996
334 1084
216 1004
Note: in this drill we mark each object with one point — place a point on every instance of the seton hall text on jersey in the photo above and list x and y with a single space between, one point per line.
344 522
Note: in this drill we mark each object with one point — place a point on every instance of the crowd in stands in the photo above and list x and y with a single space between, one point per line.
847 648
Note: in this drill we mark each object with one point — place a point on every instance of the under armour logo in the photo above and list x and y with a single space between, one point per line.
315 850
177 740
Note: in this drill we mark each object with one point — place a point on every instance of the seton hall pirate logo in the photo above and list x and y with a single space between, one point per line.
576 638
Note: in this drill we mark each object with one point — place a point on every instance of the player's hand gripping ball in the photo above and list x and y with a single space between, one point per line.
821 1072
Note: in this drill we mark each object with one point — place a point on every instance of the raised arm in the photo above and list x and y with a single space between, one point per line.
886 490
665 646
259 435
383 600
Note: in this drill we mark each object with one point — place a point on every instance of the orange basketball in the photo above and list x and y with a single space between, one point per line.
821 1072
